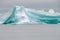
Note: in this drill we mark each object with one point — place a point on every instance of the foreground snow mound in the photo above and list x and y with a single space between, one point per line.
22 15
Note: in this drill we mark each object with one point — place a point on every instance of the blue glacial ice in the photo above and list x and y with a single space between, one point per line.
22 15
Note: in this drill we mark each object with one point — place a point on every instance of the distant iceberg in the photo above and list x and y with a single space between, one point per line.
22 15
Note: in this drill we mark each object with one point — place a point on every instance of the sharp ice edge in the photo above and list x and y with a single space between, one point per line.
24 10
22 17
21 14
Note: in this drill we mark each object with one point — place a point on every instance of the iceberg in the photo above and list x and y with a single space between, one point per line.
22 15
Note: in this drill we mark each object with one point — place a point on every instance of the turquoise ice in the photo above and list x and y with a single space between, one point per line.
22 15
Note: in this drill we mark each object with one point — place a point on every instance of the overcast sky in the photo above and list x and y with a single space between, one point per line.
36 4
